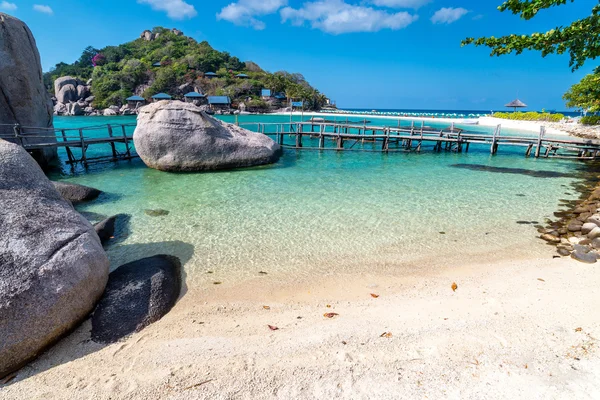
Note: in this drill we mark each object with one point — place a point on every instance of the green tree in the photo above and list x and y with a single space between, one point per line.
585 94
579 39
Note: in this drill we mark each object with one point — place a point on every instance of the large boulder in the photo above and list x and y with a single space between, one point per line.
137 294
24 100
61 82
178 136
53 269
83 91
67 94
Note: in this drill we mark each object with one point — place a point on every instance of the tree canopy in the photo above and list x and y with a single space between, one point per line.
585 94
579 39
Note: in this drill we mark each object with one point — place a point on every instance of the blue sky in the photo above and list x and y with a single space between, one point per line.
361 53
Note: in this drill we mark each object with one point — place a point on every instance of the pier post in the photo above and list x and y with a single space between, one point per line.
494 148
83 156
321 137
112 144
126 139
539 141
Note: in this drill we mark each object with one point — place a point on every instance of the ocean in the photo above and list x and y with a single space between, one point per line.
330 213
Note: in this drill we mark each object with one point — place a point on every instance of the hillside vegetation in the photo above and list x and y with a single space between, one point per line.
118 72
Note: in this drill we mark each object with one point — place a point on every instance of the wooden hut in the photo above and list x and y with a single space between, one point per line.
266 94
195 97
210 75
134 102
219 102
242 76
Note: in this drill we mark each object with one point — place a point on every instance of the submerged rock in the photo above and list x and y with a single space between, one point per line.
52 266
137 294
106 229
156 213
24 100
177 136
76 193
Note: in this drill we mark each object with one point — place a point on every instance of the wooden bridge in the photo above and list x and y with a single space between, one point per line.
311 135
415 138
75 138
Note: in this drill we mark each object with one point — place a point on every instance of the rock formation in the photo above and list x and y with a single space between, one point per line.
137 294
23 98
72 97
53 268
177 136
76 193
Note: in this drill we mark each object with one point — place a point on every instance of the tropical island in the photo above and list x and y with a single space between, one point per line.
165 61
296 256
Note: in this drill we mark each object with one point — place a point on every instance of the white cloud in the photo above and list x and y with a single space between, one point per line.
6 6
43 9
336 17
401 3
176 9
243 12
448 15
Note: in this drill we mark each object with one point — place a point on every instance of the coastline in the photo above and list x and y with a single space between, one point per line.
513 328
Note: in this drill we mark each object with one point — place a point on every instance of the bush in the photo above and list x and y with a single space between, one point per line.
590 120
530 116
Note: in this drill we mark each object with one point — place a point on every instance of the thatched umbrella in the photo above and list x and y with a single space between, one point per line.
516 104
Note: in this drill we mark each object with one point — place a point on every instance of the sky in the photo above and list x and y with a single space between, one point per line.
374 54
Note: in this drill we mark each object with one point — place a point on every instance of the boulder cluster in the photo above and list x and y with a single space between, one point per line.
578 233
149 36
74 97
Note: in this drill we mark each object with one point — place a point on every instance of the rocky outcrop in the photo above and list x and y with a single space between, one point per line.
137 294
23 98
53 268
72 97
76 193
177 136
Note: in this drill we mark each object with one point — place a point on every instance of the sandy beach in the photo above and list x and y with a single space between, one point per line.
512 329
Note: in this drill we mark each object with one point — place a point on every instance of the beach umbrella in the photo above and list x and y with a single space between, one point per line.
516 104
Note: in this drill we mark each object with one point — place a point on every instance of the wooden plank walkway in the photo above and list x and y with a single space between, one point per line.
415 138
75 138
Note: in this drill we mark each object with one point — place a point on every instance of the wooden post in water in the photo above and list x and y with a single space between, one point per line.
127 150
539 141
494 147
83 149
321 137
112 144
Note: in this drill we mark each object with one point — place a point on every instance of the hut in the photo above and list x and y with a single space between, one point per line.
134 102
266 94
219 102
195 97
516 104
161 96
242 76
157 64
210 75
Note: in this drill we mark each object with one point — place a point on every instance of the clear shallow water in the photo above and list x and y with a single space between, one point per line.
326 212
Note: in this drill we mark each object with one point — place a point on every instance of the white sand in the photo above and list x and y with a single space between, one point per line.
511 330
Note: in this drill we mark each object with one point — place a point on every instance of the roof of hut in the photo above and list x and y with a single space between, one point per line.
210 74
135 98
516 103
162 96
195 95
219 100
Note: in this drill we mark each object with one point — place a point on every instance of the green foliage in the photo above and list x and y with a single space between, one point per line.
128 68
591 120
585 94
579 39
530 116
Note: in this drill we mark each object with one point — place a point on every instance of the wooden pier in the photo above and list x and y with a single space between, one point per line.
418 137
75 138
313 135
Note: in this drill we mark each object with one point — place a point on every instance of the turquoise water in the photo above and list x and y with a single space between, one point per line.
329 212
